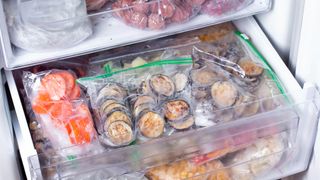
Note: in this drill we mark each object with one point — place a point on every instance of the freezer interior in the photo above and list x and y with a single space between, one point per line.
266 144
34 32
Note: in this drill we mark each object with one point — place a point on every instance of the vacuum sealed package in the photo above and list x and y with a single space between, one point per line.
223 7
225 77
155 101
63 115
155 15
47 25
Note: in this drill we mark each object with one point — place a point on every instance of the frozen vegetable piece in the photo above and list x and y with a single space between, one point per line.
105 104
185 124
138 61
120 133
250 68
203 77
162 85
196 2
151 124
112 107
224 93
176 110
181 81
156 21
143 100
55 85
93 5
142 107
117 116
111 91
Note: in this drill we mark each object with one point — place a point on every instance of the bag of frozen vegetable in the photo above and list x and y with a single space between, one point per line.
58 105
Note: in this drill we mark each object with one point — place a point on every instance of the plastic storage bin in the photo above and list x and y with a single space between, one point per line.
239 145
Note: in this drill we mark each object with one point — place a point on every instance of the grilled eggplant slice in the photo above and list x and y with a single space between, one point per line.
187 123
151 124
120 133
250 68
117 116
176 110
162 85
224 94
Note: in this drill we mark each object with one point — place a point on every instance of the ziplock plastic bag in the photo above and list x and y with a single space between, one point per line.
64 116
223 7
47 25
155 92
155 15
225 77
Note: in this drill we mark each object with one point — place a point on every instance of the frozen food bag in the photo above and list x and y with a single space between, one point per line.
59 108
223 7
47 25
155 93
228 80
155 15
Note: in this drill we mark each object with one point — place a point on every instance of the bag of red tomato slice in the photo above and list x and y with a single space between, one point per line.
62 113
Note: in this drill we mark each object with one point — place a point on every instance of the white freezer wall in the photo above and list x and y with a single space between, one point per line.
305 57
278 23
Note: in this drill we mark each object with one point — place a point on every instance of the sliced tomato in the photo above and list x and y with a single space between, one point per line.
69 79
75 93
60 111
79 131
41 103
55 85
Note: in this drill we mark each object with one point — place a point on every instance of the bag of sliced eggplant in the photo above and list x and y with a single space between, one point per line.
228 79
146 102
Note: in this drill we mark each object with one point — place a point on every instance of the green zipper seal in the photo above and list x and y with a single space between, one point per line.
270 71
151 64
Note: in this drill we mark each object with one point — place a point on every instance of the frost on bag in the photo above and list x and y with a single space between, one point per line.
228 82
222 7
155 14
109 101
47 25
64 116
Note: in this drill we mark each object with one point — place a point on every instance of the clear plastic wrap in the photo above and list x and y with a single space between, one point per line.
157 92
223 7
64 116
244 163
47 25
226 74
155 15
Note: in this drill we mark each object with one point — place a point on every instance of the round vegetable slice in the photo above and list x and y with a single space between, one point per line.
114 106
142 100
120 133
250 68
55 86
106 104
203 77
176 110
187 123
180 81
117 116
162 85
112 91
151 124
69 80
224 93
75 93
